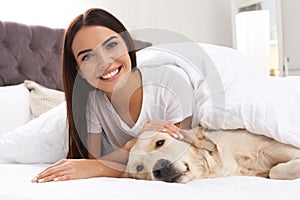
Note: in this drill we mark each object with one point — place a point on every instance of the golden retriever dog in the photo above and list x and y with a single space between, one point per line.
203 154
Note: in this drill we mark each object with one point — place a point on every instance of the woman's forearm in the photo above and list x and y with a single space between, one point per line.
120 155
71 169
114 164
111 169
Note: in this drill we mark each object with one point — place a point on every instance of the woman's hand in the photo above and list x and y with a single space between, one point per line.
163 126
129 144
70 169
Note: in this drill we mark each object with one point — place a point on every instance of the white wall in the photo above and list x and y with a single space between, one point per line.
289 37
200 20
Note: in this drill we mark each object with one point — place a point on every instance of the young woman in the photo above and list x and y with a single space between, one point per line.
109 100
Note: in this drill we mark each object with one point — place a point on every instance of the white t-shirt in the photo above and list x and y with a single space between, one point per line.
167 95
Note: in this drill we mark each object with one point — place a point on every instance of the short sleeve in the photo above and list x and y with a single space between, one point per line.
93 124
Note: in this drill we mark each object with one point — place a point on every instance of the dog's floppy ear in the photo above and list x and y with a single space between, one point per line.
197 137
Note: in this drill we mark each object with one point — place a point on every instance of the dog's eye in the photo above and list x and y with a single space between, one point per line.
139 168
159 143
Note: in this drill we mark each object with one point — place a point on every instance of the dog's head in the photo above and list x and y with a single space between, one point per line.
158 156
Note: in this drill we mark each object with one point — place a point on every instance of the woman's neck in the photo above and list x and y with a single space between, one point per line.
126 86
127 98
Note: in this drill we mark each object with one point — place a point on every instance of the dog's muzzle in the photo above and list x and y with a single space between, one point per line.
164 170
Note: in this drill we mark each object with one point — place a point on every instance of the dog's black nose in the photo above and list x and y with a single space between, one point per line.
162 170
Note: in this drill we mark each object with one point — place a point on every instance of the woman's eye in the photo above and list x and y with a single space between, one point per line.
159 143
87 56
111 45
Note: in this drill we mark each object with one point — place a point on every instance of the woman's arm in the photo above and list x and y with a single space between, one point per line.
111 165
120 155
94 145
185 124
71 169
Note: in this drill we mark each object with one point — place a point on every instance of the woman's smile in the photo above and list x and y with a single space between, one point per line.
112 74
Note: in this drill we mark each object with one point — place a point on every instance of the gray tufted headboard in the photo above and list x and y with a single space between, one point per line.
30 53
33 53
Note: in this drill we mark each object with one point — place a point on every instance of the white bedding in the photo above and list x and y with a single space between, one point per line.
15 184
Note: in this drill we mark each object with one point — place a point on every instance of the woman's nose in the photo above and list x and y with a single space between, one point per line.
103 60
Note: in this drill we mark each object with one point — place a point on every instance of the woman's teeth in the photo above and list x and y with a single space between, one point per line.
111 74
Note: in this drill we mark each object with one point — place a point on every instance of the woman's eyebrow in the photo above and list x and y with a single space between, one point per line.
109 39
104 43
83 51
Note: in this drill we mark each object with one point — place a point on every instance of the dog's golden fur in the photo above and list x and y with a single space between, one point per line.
202 154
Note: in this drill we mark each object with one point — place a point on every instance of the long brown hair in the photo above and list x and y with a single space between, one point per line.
75 87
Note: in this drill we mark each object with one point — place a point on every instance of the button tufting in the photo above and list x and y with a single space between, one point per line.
30 52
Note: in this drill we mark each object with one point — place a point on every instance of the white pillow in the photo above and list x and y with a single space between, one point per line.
14 107
41 140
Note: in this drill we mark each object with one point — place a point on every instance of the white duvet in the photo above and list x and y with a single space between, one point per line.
232 92
265 105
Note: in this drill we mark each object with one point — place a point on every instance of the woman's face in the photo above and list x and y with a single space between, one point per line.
102 56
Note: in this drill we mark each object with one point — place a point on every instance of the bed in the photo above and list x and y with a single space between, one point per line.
33 132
